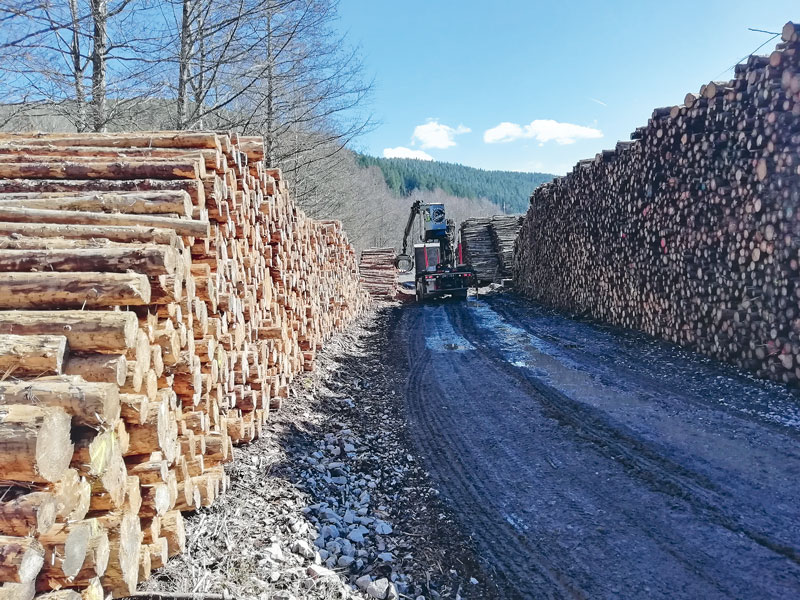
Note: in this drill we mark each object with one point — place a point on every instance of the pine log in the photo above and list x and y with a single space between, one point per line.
100 368
186 227
172 528
25 513
148 260
32 355
21 559
122 572
114 233
72 290
86 331
34 443
88 403
102 169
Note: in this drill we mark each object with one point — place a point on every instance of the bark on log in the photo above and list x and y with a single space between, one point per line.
72 290
86 331
23 514
152 260
32 355
89 403
21 559
187 227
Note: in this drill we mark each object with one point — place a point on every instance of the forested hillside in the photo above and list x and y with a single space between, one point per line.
510 190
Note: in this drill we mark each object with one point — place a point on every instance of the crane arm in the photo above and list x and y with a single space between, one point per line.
414 212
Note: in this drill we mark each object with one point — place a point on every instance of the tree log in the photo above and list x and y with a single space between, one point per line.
114 233
34 443
32 355
21 559
187 227
152 260
133 203
102 169
23 514
100 368
72 290
89 403
86 331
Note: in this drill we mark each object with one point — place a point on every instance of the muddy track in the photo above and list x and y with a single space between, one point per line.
592 463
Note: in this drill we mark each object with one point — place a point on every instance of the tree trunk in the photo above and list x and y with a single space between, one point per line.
99 56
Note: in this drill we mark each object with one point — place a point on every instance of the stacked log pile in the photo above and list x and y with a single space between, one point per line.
478 248
691 231
488 245
504 230
158 293
378 272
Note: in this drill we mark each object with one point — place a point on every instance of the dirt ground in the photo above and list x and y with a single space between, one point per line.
253 543
494 449
588 462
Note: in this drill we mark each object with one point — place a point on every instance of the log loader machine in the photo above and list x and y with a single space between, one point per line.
436 270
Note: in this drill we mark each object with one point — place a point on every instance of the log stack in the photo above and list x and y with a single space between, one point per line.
691 230
158 293
378 272
488 245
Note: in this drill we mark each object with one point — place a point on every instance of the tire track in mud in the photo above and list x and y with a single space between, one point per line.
537 556
511 555
653 467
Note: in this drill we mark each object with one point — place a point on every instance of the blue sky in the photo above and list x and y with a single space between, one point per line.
536 86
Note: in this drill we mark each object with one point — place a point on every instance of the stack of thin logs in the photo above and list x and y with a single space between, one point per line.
691 231
158 293
478 248
488 245
378 272
504 230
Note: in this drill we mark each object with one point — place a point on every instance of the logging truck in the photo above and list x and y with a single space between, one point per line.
436 272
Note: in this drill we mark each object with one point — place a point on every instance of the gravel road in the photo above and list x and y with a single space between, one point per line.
587 462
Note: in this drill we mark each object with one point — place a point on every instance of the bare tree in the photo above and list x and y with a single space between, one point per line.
79 59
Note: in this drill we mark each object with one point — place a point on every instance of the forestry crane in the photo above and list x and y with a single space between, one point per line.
434 262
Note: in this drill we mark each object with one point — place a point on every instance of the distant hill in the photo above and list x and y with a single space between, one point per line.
508 189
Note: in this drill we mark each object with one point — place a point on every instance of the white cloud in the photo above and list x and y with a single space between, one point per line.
505 132
542 130
401 152
436 135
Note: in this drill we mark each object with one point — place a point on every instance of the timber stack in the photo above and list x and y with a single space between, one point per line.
504 230
158 293
488 244
691 230
378 272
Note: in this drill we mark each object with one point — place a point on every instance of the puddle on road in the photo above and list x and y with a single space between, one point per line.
439 333
542 359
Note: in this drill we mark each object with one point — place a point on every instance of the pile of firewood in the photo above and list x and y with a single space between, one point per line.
378 272
690 232
158 293
488 245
